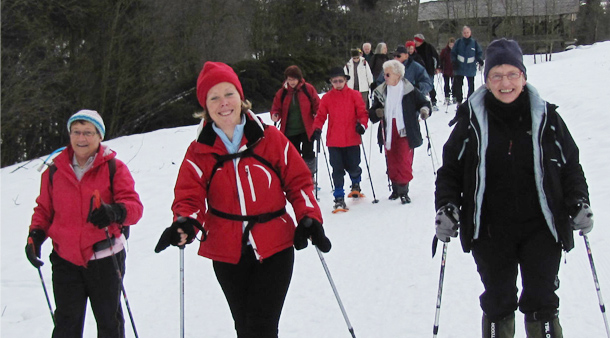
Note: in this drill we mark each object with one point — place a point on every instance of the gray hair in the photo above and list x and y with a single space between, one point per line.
395 67
380 47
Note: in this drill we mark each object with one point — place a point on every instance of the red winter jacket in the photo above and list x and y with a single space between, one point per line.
308 107
63 206
254 188
344 109
445 61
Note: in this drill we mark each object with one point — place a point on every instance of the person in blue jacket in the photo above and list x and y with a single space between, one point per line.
465 55
414 72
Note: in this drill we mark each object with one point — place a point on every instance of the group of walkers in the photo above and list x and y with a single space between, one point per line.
511 183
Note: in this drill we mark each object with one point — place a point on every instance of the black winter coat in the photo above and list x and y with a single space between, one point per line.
559 178
412 101
430 57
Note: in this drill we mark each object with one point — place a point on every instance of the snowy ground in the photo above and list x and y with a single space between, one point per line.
381 256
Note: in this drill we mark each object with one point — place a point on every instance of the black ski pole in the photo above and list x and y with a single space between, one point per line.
46 294
181 291
332 284
316 173
120 276
429 150
439 296
332 186
596 281
375 200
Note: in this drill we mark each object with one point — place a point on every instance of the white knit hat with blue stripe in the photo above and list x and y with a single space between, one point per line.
89 116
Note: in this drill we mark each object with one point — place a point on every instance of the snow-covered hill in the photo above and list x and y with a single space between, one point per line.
381 258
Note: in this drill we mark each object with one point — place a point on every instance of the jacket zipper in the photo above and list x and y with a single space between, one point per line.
251 183
242 205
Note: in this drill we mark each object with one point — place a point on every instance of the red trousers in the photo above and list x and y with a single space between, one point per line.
400 158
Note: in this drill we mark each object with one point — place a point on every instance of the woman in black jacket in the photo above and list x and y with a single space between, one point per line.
512 181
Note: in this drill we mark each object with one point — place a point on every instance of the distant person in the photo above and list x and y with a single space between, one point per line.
366 51
233 185
430 56
447 69
347 121
360 76
399 105
83 257
512 182
295 106
380 56
413 54
465 55
414 72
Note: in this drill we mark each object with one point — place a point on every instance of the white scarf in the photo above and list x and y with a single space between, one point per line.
393 110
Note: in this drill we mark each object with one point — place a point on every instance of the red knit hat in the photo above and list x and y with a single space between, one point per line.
212 74
409 43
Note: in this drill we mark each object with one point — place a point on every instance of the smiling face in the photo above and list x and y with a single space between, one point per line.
466 32
292 82
224 107
505 82
84 139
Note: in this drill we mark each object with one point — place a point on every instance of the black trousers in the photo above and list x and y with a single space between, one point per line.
303 145
98 282
458 82
500 252
344 159
433 93
256 291
448 80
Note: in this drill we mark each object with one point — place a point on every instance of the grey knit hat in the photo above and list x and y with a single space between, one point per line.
504 52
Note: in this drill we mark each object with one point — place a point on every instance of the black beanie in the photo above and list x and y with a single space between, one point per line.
504 52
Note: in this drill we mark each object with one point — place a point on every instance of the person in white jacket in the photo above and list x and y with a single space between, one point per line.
360 75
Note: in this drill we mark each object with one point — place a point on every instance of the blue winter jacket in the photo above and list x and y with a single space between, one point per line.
416 74
465 55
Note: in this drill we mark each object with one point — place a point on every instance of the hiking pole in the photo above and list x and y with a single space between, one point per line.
316 174
375 200
97 202
46 294
429 150
332 284
596 281
332 186
181 291
439 296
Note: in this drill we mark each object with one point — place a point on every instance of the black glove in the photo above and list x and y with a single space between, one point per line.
315 136
309 227
107 213
360 129
582 217
172 236
33 248
447 222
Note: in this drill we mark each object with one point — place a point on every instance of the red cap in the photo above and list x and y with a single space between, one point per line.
212 74
410 43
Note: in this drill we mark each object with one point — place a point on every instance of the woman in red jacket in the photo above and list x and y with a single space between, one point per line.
82 259
447 69
295 106
235 180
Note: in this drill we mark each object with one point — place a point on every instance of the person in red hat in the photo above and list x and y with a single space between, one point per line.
410 45
295 106
232 186
430 56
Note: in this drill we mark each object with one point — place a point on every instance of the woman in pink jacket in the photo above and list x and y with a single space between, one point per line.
233 185
347 121
84 240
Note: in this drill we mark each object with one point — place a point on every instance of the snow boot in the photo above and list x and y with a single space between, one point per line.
356 191
311 164
403 192
503 328
339 205
434 107
543 325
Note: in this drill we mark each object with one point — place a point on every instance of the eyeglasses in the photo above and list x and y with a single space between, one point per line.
78 133
388 74
338 81
512 76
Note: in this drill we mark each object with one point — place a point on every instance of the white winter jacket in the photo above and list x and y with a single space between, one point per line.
365 77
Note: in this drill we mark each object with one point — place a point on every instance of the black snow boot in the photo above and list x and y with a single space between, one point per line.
394 194
543 325
503 328
403 193
339 203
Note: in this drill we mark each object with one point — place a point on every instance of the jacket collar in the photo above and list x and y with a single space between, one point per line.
381 91
254 131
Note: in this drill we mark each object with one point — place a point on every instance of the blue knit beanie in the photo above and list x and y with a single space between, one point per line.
89 116
504 52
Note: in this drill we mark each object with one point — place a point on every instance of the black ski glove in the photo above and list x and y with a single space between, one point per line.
360 129
33 247
171 236
315 136
581 217
107 214
311 228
